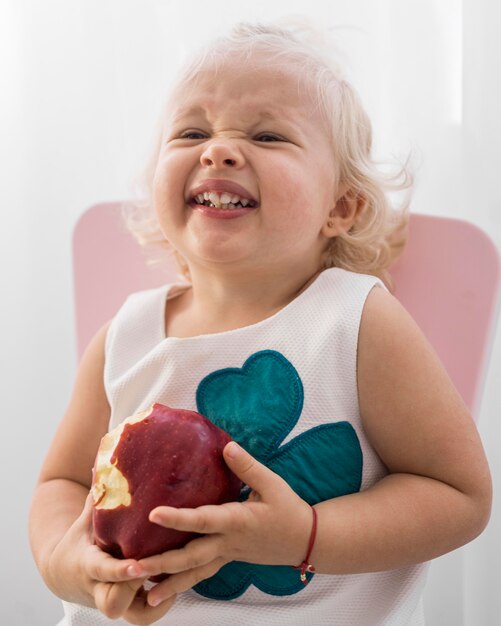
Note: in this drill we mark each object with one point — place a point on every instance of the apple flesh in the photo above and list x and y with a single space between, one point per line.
161 456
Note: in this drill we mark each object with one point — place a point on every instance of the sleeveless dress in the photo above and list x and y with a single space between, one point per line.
285 388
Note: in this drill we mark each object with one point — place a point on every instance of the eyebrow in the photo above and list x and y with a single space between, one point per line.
187 112
263 115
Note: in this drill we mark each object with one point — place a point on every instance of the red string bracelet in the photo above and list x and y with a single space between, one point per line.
305 566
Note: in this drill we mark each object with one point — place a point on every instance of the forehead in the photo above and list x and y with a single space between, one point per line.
253 88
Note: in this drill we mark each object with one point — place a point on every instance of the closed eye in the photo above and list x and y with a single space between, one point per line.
268 138
193 134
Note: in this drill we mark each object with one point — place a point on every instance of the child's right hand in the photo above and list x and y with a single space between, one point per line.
113 586
61 513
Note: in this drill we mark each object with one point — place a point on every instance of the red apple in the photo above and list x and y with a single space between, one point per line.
161 456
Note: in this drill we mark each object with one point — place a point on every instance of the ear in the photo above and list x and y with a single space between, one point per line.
341 218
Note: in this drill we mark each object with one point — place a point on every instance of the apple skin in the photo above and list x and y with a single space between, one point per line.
164 456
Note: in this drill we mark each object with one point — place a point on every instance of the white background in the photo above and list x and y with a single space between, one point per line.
80 88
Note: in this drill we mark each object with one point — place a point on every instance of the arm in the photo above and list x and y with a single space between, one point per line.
436 497
61 514
65 477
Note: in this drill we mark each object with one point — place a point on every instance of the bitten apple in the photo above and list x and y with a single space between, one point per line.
161 456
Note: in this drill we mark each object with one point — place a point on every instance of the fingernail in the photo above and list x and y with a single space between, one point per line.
154 601
154 518
233 449
134 571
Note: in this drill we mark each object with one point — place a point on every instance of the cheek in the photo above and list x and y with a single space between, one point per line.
285 186
163 177
168 186
302 198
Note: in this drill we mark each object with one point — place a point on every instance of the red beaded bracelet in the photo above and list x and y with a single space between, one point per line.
305 566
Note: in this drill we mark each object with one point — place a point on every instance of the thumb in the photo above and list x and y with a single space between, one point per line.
85 518
253 473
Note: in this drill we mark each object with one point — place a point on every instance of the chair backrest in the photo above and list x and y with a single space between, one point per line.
448 278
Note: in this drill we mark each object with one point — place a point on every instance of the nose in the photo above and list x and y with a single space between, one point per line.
222 154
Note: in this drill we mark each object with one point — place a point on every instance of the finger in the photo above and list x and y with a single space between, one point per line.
183 581
103 567
85 518
253 473
140 612
196 553
208 519
113 599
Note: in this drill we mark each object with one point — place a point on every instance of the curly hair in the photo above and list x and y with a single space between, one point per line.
379 232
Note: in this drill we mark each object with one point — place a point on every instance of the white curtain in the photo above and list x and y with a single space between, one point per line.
81 83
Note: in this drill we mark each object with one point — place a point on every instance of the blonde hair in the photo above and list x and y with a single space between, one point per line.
379 232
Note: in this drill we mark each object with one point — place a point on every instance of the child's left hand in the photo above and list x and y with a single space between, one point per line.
272 527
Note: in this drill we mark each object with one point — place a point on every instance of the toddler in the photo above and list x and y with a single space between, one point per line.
360 458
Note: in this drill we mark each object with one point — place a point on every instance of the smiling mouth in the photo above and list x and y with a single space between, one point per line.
225 200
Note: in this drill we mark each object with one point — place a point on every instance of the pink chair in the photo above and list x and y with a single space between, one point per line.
448 279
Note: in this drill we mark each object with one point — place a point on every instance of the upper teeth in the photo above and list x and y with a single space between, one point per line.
221 200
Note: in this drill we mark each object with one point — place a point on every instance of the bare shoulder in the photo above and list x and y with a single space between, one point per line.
387 329
411 411
85 421
390 340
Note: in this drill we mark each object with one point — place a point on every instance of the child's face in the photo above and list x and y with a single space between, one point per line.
252 135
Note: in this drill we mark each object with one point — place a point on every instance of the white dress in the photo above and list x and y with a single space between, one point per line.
286 389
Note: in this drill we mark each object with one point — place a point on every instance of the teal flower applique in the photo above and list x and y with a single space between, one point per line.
259 405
